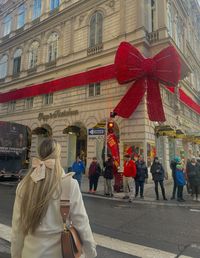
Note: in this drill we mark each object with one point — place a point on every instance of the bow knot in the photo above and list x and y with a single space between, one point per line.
146 74
40 167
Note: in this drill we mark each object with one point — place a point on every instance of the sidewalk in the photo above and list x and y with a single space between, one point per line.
5 249
149 193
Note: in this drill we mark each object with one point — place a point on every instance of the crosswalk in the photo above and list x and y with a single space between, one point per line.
112 244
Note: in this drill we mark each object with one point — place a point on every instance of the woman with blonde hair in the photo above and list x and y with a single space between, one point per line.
37 222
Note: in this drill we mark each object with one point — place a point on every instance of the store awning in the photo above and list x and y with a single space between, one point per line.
165 130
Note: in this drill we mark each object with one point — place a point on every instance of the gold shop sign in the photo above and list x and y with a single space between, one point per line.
57 114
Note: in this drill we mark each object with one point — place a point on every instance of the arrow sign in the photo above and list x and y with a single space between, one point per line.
96 131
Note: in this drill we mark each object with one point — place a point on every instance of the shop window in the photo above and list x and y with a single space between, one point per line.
3 66
11 106
54 4
7 25
33 55
17 62
29 103
94 89
36 9
48 99
21 16
96 29
52 47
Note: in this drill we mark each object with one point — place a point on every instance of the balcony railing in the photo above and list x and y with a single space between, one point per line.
95 49
152 36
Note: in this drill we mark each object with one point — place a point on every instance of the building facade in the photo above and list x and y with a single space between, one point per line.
42 41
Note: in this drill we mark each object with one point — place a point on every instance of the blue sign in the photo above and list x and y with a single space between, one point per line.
96 131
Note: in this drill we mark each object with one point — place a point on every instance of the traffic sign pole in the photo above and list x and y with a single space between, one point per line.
106 136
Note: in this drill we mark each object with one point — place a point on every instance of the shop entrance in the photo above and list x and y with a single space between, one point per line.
77 143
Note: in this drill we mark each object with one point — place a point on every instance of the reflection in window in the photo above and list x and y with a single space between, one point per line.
17 61
52 47
21 16
94 89
33 54
54 4
11 106
96 29
36 9
29 103
48 99
3 66
7 25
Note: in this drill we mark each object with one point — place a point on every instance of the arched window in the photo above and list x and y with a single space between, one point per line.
17 61
3 66
36 9
54 4
33 55
96 29
52 44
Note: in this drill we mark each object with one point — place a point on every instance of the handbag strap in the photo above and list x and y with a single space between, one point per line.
65 198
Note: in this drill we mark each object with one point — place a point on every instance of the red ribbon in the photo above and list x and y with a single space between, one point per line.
131 65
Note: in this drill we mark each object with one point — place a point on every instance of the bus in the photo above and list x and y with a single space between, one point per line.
15 144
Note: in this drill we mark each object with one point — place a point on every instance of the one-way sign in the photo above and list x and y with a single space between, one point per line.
96 131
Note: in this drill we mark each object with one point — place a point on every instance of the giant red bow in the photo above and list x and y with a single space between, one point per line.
131 65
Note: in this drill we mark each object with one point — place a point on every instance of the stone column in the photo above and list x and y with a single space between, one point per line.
162 18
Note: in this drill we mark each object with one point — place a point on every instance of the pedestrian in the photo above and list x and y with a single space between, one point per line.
158 175
36 222
78 168
173 164
128 177
180 179
94 173
141 176
193 174
108 175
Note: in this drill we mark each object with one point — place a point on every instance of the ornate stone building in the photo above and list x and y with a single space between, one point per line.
41 41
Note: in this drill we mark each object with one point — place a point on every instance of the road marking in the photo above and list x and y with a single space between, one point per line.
113 244
194 210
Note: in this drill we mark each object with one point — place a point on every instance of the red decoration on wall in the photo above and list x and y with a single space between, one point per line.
131 65
113 146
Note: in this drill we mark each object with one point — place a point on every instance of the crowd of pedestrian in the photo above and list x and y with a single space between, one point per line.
135 175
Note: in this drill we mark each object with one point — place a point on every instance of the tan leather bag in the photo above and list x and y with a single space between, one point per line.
71 243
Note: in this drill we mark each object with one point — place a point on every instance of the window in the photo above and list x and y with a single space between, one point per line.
52 47
11 106
48 99
36 9
96 29
17 61
33 54
94 89
3 66
7 25
21 16
54 4
29 103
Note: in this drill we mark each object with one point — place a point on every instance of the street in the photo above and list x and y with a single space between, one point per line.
128 230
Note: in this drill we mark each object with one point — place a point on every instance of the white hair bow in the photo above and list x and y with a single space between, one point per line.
39 168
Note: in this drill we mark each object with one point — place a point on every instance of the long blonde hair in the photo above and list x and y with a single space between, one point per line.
35 197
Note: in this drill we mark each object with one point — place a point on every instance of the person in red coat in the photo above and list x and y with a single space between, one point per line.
128 177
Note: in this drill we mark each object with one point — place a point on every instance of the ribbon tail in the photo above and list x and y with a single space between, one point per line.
131 99
154 101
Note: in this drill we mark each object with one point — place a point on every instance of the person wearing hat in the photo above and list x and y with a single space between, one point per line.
128 177
193 174
180 180
108 175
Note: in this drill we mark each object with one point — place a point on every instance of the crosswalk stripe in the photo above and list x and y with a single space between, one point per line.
113 244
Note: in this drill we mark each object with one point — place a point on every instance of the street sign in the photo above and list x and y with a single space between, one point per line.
96 131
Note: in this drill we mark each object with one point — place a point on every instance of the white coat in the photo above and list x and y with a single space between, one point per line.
45 242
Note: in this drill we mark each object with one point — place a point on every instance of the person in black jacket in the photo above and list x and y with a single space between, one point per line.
141 175
158 175
193 173
94 174
108 175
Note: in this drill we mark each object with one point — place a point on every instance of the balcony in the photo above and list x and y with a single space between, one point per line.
152 36
95 49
